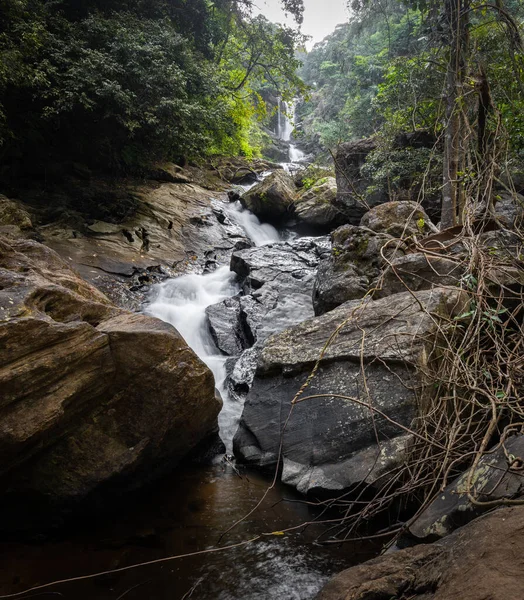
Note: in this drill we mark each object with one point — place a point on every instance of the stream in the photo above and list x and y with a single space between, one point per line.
188 511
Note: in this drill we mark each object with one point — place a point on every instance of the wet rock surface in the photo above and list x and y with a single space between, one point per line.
92 396
272 199
277 282
324 435
482 560
352 267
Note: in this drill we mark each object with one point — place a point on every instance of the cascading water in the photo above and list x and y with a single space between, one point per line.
189 510
285 126
182 302
295 155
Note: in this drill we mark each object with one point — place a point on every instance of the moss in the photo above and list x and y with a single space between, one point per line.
362 246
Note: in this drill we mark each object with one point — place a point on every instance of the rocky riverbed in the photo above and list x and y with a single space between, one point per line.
317 345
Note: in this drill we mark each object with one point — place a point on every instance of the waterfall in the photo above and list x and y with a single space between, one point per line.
182 302
286 129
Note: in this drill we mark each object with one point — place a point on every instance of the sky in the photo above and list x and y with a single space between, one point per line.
320 16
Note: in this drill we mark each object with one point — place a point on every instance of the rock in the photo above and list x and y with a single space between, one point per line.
495 478
224 324
170 173
275 149
240 170
483 560
310 174
419 271
352 267
349 160
278 284
92 396
509 209
275 262
14 219
173 226
400 219
272 199
324 436
315 206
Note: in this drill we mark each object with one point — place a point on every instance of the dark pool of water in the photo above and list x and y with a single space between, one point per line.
187 513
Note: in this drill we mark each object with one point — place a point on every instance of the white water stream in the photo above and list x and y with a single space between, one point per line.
182 302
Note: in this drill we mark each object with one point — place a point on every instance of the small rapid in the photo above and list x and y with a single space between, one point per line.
183 301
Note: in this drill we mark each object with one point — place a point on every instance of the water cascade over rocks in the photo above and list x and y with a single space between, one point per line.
183 301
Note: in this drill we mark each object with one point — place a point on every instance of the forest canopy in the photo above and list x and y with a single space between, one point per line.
119 83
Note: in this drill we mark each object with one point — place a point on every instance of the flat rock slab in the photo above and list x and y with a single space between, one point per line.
390 337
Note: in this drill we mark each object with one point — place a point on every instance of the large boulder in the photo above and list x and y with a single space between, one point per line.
401 219
315 206
272 199
352 267
509 209
92 395
15 221
325 441
484 560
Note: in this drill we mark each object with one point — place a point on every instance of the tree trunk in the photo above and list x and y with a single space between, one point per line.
456 17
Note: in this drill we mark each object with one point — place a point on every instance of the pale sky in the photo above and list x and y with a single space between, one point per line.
320 16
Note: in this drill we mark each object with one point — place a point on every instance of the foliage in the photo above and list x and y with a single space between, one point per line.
395 170
121 83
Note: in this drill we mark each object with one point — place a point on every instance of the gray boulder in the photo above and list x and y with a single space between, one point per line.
401 219
484 560
272 199
330 443
509 208
352 267
315 206
277 284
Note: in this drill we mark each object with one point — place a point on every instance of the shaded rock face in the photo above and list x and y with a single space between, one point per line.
419 272
328 442
495 478
14 219
92 395
172 226
399 219
272 199
509 209
484 560
351 184
352 267
315 206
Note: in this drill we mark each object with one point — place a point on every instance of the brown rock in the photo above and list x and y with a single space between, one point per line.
482 561
272 199
90 392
